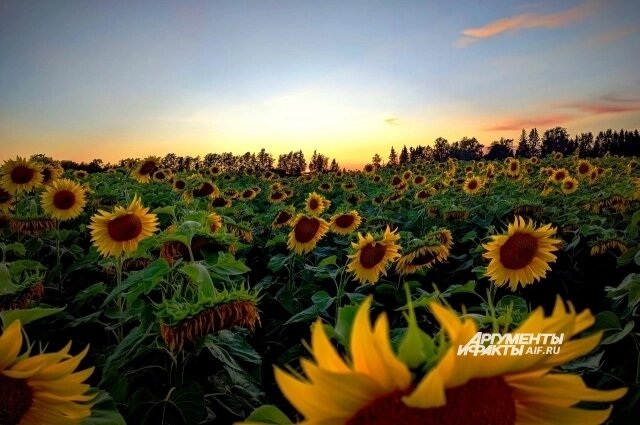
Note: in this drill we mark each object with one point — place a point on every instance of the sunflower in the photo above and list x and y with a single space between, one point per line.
569 185
63 200
368 169
345 223
160 175
472 185
20 175
407 175
145 168
371 256
458 389
534 160
559 175
306 232
600 247
179 185
283 217
247 195
6 201
221 202
206 189
215 222
325 187
348 186
513 168
419 180
557 155
121 230
41 389
584 168
277 197
521 256
425 256
50 173
316 204
215 171
376 178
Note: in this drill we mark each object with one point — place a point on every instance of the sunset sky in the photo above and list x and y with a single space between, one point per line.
113 79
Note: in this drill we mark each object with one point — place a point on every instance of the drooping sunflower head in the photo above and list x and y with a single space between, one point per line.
345 222
50 173
306 231
221 202
418 256
215 222
143 171
522 255
6 201
371 255
41 388
20 175
569 185
206 190
472 185
63 200
316 204
120 231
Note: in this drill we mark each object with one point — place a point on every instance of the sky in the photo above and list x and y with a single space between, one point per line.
115 79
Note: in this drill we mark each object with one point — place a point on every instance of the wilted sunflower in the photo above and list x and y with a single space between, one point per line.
459 389
316 204
569 185
472 185
602 246
41 389
372 255
345 223
121 230
215 222
63 200
6 201
145 168
20 175
521 256
306 232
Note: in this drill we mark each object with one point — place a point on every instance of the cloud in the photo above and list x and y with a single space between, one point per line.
601 108
614 35
527 21
513 124
392 121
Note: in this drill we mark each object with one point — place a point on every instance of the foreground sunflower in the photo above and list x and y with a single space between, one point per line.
121 230
377 387
20 175
372 255
305 233
521 256
63 200
316 204
41 389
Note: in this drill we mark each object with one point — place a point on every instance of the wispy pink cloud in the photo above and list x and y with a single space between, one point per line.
612 36
600 108
512 124
527 21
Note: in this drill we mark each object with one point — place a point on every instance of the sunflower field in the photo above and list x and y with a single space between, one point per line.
143 295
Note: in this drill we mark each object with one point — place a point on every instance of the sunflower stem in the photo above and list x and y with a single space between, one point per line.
58 256
120 300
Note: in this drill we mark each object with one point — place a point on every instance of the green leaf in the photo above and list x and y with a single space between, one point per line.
16 248
268 414
189 399
170 209
90 292
415 346
6 284
199 275
322 301
104 412
277 262
329 261
346 315
612 339
228 265
28 315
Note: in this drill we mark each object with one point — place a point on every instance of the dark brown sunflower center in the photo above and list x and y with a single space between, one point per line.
147 168
64 199
15 400
486 401
424 258
22 174
371 254
583 169
4 196
247 194
159 175
325 186
179 184
313 204
423 194
396 181
306 229
513 166
283 217
219 202
125 228
345 221
418 180
277 195
518 251
46 175
568 185
205 189
472 185
560 175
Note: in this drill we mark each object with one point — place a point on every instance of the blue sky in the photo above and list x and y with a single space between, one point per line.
85 79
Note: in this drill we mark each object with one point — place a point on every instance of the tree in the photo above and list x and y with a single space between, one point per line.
404 156
334 167
534 143
393 157
441 149
500 149
556 140
466 149
524 149
376 161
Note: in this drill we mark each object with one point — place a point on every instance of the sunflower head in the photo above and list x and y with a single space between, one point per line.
472 185
306 231
569 185
283 217
143 171
316 204
522 255
20 175
6 201
371 255
63 200
120 231
50 173
344 223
